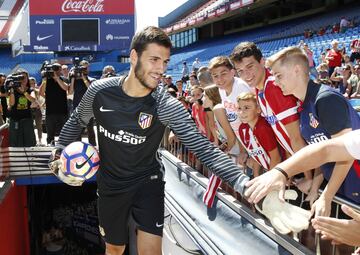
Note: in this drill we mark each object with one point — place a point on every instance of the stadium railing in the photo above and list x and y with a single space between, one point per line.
338 201
181 152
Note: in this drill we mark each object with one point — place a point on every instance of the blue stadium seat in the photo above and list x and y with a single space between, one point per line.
270 39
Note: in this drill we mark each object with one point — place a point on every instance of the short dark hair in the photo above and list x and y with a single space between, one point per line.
245 50
193 75
172 92
149 35
183 99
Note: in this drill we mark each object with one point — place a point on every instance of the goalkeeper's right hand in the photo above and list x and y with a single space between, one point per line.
57 168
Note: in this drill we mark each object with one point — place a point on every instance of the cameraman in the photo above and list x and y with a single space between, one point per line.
108 71
53 88
79 83
21 122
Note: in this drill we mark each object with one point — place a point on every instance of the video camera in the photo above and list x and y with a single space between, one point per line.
47 69
13 81
78 69
109 74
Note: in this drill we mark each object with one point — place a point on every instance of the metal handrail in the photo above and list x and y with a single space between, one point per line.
285 241
340 201
178 146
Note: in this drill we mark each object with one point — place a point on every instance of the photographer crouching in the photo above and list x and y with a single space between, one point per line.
21 123
79 83
53 88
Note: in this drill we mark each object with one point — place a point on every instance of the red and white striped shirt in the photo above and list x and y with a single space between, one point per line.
278 110
259 141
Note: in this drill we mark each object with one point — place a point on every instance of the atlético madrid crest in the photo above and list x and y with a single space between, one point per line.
145 120
313 122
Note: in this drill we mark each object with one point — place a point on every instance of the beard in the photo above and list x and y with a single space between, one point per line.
139 74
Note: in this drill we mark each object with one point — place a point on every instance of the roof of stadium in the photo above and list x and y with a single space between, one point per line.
180 12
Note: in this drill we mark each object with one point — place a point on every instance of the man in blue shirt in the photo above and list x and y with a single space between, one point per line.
324 114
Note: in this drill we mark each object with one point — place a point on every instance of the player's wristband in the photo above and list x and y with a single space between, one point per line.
282 171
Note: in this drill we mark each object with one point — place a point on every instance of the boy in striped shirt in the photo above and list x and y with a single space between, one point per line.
256 135
279 111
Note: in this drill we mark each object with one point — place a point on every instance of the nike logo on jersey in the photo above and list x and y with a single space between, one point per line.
79 166
102 109
38 38
159 225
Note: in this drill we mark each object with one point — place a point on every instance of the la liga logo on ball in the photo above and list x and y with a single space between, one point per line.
80 160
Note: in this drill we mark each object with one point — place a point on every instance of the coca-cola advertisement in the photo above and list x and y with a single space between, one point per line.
81 7
81 25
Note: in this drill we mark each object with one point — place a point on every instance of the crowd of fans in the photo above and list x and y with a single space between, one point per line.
336 67
235 101
339 27
29 106
232 109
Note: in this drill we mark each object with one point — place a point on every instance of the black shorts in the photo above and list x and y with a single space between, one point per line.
145 204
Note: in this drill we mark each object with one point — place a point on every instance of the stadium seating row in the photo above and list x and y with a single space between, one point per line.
271 39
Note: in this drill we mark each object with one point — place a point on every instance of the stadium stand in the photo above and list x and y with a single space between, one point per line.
6 66
271 39
31 62
208 7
